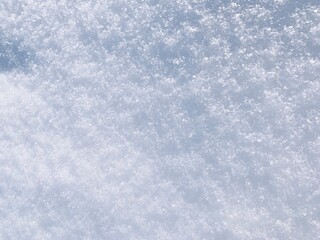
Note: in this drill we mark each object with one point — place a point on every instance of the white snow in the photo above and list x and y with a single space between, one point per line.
160 119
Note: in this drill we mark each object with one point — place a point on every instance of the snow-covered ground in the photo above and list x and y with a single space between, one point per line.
160 119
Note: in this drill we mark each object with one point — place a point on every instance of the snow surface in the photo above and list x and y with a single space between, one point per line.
160 119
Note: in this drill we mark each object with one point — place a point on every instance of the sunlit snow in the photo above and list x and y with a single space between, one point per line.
160 119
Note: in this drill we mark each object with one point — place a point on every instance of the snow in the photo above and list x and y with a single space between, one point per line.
158 119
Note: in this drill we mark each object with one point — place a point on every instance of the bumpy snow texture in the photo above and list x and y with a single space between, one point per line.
160 119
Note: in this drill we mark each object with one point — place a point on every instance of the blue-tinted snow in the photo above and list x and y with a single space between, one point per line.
158 119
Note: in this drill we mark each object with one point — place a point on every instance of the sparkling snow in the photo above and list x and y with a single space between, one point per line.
160 119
